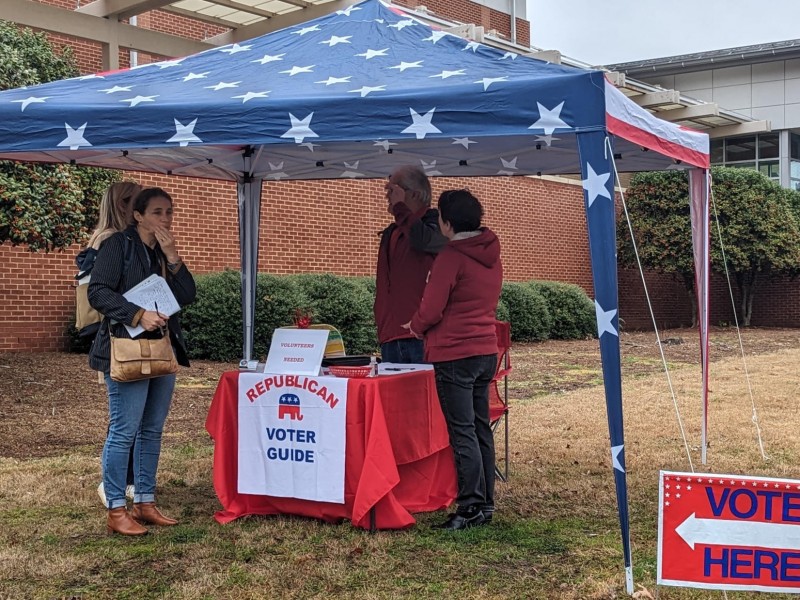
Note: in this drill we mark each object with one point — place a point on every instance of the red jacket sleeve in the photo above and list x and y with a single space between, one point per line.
441 281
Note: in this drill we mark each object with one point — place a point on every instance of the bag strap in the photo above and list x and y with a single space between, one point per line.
128 250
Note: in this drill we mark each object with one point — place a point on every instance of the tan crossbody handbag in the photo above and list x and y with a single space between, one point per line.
132 360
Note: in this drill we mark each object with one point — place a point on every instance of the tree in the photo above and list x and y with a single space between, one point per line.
47 207
757 222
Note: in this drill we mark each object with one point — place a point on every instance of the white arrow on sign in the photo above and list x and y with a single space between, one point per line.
724 532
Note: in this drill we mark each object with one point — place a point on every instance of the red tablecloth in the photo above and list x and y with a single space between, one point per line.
397 460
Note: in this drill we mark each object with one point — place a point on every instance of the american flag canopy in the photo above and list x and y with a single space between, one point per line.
351 94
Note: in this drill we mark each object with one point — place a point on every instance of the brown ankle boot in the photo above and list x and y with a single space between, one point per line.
146 512
121 522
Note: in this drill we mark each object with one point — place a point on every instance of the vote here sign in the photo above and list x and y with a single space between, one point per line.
729 532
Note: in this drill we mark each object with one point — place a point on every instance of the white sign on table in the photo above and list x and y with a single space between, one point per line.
296 351
292 436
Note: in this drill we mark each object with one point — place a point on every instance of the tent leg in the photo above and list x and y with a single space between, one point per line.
249 193
699 189
598 185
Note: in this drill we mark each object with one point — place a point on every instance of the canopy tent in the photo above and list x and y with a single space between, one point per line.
353 95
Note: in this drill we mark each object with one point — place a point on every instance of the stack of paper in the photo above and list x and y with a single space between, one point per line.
148 293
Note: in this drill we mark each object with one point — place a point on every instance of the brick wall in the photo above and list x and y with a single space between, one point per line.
331 226
311 226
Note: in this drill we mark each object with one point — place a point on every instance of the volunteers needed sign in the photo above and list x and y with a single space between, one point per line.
292 436
729 532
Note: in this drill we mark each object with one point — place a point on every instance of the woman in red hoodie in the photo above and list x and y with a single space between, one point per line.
456 318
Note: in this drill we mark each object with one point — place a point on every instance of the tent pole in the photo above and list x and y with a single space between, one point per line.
598 185
249 196
699 188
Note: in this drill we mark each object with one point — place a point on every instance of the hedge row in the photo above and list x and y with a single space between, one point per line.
537 310
540 310
213 324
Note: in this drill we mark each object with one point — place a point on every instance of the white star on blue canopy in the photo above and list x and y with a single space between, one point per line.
369 74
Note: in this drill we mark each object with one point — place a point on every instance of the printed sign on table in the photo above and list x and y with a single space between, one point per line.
729 532
296 351
292 436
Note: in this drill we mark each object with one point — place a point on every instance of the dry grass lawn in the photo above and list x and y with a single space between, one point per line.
555 534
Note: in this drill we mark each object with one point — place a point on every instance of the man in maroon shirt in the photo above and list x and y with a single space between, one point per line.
407 249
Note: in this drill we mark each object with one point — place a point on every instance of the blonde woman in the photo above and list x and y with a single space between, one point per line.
115 214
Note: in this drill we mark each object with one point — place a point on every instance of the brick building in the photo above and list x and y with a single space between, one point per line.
331 225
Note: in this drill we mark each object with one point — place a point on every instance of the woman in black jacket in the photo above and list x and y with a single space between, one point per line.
137 409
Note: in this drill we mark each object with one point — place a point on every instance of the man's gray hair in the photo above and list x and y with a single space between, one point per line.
414 178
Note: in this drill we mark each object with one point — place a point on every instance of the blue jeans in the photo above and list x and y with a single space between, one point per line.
463 388
137 411
407 350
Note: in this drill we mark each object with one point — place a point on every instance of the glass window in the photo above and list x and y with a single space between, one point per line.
717 148
740 148
770 168
749 165
794 143
794 169
795 185
768 145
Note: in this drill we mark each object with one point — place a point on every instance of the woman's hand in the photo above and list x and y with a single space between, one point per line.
166 240
411 331
152 320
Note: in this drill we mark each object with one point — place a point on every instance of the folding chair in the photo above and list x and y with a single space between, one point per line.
498 391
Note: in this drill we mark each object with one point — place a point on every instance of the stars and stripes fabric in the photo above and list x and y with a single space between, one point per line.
351 94
597 172
699 190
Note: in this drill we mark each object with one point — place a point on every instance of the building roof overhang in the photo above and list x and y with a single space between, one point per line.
714 59
103 21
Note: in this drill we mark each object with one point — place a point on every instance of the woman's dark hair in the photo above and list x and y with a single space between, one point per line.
147 194
461 209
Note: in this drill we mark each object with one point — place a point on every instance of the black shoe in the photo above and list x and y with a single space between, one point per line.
457 521
488 513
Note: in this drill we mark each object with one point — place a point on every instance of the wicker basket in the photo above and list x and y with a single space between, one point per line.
342 371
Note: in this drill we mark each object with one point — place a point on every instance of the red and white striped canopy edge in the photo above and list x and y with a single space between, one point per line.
631 122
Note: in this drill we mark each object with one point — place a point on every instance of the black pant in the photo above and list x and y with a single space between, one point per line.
463 388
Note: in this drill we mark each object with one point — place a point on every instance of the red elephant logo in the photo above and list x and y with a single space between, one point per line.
289 407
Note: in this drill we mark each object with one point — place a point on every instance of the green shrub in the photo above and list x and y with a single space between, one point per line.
366 340
212 325
46 207
527 310
537 310
571 309
345 303
277 297
502 314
